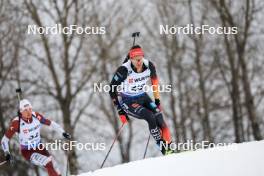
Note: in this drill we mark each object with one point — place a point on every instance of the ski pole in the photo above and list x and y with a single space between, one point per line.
67 163
146 147
118 134
3 162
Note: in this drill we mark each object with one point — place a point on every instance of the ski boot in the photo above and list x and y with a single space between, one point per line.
165 147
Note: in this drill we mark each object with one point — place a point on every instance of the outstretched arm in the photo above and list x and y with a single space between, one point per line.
52 124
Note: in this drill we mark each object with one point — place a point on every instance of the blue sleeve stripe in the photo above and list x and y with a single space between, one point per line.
43 120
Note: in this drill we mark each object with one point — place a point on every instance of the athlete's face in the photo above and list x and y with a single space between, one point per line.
137 61
27 113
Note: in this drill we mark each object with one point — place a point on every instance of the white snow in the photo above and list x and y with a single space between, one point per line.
246 159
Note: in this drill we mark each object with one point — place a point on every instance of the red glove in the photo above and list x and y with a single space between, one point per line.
123 118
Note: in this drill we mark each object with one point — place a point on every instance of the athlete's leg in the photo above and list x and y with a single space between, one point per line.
148 103
163 127
136 110
41 158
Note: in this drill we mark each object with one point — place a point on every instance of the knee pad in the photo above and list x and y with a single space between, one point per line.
39 159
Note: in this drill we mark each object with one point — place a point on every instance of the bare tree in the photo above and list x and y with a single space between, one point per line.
67 75
239 42
199 44
10 37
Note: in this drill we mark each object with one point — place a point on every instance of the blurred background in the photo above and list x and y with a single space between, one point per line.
217 80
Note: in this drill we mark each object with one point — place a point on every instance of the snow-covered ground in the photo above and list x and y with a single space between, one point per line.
245 159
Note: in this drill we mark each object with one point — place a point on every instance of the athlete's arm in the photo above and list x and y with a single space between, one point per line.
119 77
154 81
53 125
13 128
50 123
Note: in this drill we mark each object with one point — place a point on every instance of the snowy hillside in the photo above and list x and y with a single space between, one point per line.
245 159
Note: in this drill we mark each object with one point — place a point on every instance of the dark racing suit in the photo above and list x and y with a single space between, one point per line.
135 101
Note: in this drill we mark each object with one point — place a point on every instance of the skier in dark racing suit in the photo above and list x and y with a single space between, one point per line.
133 100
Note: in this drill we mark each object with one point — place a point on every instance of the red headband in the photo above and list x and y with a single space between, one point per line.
136 52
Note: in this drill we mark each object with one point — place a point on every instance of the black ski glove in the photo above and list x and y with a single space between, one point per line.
9 158
66 135
157 102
